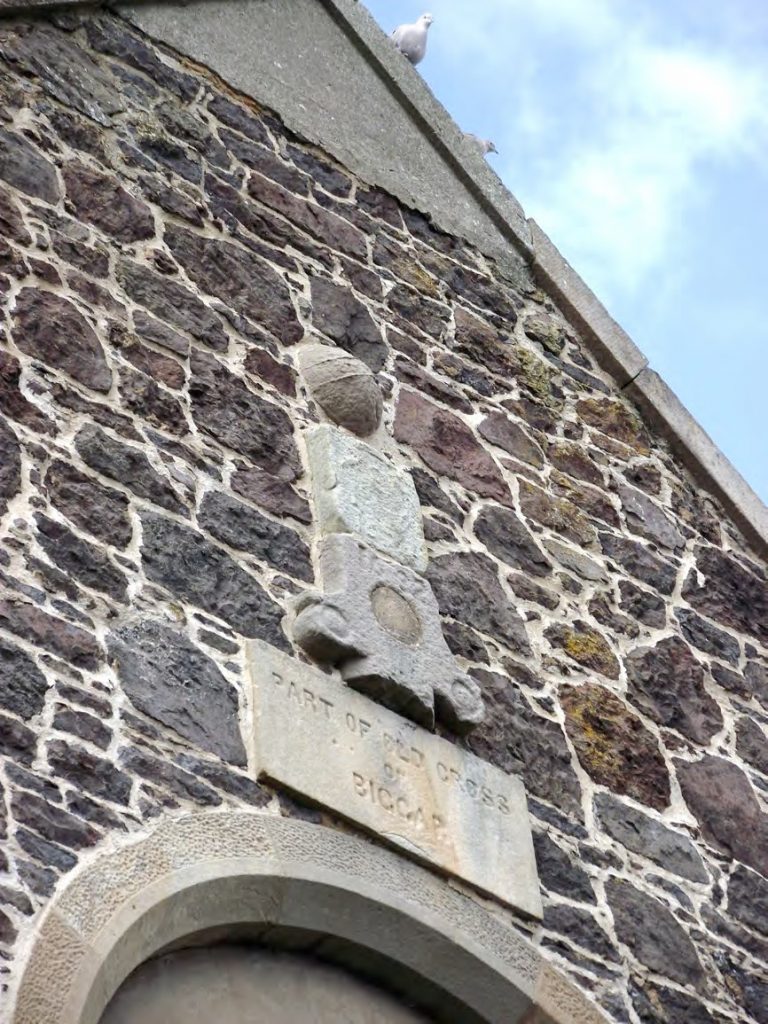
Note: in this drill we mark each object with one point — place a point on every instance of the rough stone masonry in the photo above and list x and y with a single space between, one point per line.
166 249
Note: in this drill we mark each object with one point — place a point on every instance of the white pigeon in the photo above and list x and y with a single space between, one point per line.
484 145
411 40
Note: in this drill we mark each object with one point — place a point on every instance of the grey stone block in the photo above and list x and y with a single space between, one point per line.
379 623
617 352
358 490
336 79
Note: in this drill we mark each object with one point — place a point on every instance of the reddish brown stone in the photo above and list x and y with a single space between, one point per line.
100 510
240 279
593 502
270 493
615 419
410 373
586 646
51 329
10 465
56 635
448 446
729 593
501 431
148 400
173 303
226 409
101 200
12 401
574 460
260 364
11 223
157 366
323 225
752 744
613 745
720 797
667 683
556 513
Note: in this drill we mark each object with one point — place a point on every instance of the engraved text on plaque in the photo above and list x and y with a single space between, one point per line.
438 802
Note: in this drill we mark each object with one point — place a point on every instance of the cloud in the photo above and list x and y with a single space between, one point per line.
614 123
667 121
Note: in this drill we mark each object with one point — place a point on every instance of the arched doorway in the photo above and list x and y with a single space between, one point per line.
239 984
243 878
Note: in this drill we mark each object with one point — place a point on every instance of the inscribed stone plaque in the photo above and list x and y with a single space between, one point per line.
358 490
436 802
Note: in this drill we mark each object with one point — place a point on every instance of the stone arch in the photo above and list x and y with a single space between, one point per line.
203 878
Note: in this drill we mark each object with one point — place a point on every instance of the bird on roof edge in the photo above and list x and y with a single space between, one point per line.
411 40
484 145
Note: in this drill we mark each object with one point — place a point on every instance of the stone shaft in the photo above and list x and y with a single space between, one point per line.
358 490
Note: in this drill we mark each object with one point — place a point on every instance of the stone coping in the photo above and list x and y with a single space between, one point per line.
201 878
444 176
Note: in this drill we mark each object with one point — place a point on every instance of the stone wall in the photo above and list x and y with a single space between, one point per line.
165 248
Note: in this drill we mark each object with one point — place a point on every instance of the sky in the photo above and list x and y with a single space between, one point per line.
636 133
